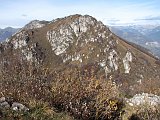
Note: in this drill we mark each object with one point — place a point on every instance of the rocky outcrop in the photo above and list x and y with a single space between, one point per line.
34 24
66 34
113 60
4 103
19 107
20 40
126 61
71 32
144 99
34 53
7 103
82 24
60 40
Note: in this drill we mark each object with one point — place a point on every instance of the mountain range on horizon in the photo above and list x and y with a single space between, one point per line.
7 33
147 36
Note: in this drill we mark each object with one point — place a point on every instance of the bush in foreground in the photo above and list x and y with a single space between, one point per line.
85 96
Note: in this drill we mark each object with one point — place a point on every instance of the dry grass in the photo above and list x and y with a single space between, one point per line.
148 86
38 111
142 112
80 92
76 90
85 96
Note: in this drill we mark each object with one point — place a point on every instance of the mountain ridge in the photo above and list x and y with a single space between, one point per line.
77 65
76 40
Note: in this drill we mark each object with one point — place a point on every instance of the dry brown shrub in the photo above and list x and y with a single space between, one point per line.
85 96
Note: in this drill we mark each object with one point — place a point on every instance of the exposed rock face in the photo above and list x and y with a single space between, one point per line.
21 39
81 24
60 41
66 34
113 60
5 103
33 53
144 99
81 32
126 61
34 24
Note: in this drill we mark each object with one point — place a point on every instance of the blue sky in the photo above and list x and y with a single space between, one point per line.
17 13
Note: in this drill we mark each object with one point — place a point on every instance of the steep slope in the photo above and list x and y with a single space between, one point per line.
80 40
77 65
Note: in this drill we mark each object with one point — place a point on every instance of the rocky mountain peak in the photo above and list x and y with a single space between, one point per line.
35 24
81 40
75 27
80 63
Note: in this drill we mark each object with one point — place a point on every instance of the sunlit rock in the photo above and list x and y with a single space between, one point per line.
126 61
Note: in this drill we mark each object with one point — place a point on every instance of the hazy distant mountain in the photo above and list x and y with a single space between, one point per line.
7 32
147 36
131 34
154 34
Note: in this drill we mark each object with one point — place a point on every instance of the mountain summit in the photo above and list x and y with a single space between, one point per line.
78 65
81 40
35 24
